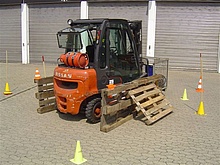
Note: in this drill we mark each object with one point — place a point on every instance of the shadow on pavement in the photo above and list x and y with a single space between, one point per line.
70 117
191 108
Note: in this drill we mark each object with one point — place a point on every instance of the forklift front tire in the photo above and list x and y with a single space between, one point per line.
93 110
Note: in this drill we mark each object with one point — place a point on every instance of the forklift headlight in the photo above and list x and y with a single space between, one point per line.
70 22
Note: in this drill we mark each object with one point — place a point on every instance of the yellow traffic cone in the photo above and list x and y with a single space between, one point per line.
201 109
78 158
184 95
7 89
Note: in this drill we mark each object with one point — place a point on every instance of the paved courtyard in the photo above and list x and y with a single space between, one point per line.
183 137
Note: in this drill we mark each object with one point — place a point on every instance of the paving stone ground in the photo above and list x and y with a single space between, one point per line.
183 137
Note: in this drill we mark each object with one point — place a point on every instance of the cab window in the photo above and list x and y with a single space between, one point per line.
122 61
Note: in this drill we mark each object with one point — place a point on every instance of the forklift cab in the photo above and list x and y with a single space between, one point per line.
112 45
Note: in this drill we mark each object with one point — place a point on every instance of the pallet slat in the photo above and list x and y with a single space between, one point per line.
46 87
157 107
141 89
45 109
113 120
110 127
114 108
43 81
145 95
154 100
45 102
44 95
159 116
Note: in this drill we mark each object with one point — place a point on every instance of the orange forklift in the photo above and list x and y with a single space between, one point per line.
97 52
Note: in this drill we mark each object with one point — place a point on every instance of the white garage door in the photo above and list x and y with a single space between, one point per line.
184 30
127 10
10 33
45 22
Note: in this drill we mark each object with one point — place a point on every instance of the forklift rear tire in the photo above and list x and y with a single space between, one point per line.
93 110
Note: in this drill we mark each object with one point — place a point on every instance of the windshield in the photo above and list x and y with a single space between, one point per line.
75 38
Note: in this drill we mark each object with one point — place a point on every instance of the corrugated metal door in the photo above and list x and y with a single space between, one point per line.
45 22
129 10
184 30
10 33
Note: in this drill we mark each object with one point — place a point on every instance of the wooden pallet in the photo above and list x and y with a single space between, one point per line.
151 102
118 106
45 95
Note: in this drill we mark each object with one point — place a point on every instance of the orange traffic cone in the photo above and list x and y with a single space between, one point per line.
199 88
7 89
78 158
111 85
37 75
